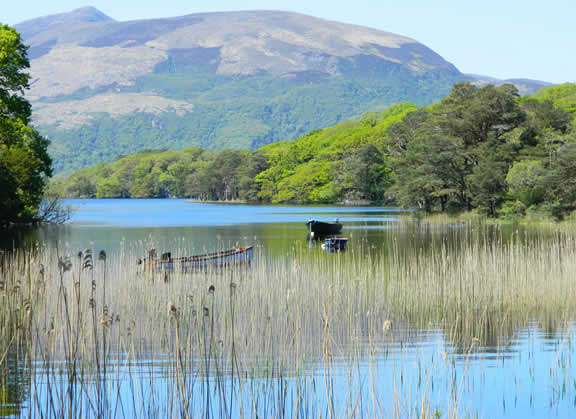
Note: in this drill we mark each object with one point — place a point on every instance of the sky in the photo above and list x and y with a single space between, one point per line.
497 38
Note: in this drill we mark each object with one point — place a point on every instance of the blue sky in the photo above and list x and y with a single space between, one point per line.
498 38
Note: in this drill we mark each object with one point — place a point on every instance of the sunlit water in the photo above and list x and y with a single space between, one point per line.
527 375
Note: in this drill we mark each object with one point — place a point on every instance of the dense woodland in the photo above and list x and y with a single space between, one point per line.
483 149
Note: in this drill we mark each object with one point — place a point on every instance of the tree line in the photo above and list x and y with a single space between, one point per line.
480 148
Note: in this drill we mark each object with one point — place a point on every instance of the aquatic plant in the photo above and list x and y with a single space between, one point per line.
283 337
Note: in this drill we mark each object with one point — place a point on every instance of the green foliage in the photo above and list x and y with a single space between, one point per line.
14 76
563 96
480 149
524 181
24 161
331 161
364 175
345 161
242 113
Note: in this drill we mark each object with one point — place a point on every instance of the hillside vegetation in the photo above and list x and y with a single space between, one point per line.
299 171
217 112
101 88
479 148
237 80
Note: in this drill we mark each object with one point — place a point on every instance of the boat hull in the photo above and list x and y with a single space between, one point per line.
241 256
320 228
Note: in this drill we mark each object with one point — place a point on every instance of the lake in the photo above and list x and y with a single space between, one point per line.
165 223
413 320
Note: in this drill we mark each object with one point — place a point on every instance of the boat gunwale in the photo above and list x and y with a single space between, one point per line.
206 257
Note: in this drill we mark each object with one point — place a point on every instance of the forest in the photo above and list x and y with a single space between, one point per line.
480 148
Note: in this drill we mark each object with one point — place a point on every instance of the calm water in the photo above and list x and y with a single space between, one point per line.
527 374
169 224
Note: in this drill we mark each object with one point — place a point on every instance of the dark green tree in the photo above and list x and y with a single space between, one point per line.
364 174
24 161
488 185
472 114
14 77
431 172
560 183
456 154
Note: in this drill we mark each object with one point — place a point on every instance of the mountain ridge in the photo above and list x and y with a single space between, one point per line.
102 88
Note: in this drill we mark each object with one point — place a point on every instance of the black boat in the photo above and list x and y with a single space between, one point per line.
321 228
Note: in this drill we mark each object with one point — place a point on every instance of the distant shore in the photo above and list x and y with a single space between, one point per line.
347 203
233 201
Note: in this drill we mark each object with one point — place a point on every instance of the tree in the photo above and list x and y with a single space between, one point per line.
24 161
559 183
431 172
457 156
473 114
364 174
13 76
524 181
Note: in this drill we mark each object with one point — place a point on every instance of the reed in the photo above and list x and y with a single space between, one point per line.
285 337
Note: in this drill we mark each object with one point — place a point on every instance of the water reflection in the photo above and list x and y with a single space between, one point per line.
14 380
326 323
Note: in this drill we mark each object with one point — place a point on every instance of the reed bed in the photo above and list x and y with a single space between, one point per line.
298 335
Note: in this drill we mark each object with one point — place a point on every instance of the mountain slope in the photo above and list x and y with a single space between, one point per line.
524 86
102 88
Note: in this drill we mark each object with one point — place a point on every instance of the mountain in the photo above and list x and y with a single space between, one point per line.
31 28
524 86
102 88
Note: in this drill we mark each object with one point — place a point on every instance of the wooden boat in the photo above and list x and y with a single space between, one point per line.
208 261
335 244
321 228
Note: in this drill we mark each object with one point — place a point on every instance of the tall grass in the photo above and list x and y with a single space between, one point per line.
300 335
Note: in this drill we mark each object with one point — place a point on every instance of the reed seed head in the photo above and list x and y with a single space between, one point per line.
64 264
87 263
27 306
172 310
